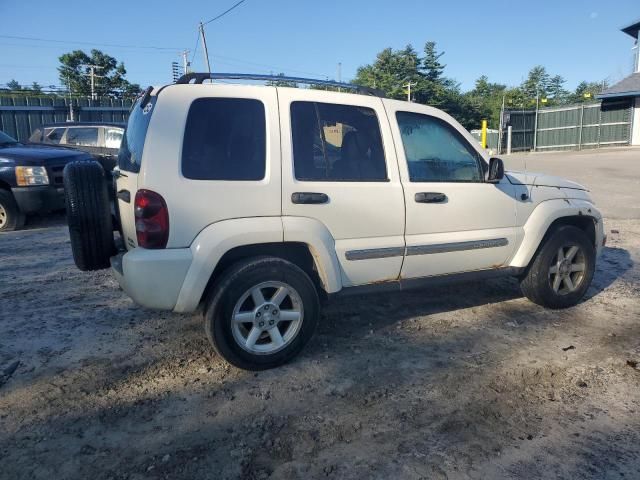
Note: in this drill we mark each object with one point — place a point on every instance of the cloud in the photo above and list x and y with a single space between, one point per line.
593 15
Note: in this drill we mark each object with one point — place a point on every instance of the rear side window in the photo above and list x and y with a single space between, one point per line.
225 139
52 135
334 142
130 153
84 136
112 137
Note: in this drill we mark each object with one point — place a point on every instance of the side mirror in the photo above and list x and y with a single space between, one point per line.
496 170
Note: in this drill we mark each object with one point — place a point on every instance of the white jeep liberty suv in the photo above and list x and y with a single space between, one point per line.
257 202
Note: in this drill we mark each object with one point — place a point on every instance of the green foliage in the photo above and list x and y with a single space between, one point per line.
591 89
13 85
75 68
393 69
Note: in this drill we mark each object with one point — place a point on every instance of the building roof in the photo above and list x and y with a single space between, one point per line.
632 29
628 87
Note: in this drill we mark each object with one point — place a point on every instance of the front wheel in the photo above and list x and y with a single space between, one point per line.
11 218
262 313
562 270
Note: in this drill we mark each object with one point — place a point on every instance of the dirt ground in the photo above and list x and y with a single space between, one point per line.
464 382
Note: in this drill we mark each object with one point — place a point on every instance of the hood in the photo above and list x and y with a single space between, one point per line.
541 180
38 154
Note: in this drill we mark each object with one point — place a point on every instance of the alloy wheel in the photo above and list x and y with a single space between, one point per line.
267 318
567 270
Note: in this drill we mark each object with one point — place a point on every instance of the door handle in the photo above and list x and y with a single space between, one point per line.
309 197
430 197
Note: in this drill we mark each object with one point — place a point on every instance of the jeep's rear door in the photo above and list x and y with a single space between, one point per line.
129 163
339 168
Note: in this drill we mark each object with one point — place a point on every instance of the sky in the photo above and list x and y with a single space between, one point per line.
578 39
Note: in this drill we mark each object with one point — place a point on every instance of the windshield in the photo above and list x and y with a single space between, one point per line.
130 154
6 139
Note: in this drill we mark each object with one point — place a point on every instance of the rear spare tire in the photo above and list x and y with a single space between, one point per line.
88 215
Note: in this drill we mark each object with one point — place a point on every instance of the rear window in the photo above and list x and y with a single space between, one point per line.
130 153
225 139
83 136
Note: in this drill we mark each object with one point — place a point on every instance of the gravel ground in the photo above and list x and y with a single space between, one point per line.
468 382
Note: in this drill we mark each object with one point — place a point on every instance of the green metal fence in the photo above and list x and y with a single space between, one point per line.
492 138
572 127
19 115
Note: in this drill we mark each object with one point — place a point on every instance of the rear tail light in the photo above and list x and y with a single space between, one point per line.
152 220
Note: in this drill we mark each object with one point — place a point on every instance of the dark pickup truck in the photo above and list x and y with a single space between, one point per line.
31 179
100 139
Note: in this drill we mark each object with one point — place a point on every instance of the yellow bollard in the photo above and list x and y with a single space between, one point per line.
483 136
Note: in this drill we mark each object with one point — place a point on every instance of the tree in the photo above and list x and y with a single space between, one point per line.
556 89
537 82
13 85
109 75
487 97
433 69
590 89
36 88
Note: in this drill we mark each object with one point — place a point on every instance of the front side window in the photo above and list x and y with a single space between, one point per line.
84 136
225 139
334 142
435 151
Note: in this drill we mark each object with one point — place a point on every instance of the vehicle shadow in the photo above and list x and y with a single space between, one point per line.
612 265
53 219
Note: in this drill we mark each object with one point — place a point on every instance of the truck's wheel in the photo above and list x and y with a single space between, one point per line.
88 215
562 270
11 218
261 313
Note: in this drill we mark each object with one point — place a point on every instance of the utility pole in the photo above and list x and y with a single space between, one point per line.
93 76
408 86
204 47
71 119
92 72
535 125
185 61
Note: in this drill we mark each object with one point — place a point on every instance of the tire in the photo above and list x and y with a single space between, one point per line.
88 215
545 281
11 218
233 296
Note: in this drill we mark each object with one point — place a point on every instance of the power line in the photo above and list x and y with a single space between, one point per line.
237 4
90 43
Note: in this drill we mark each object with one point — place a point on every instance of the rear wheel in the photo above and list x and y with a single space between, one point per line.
11 218
562 270
88 215
261 313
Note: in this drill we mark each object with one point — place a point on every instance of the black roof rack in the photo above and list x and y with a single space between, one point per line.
199 78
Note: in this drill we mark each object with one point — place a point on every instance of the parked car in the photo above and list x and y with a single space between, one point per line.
257 202
102 140
31 179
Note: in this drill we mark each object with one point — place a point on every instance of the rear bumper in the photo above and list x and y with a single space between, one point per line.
39 199
152 278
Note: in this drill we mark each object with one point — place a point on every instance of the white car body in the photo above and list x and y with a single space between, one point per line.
367 234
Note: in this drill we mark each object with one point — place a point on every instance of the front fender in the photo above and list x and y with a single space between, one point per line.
213 242
541 219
